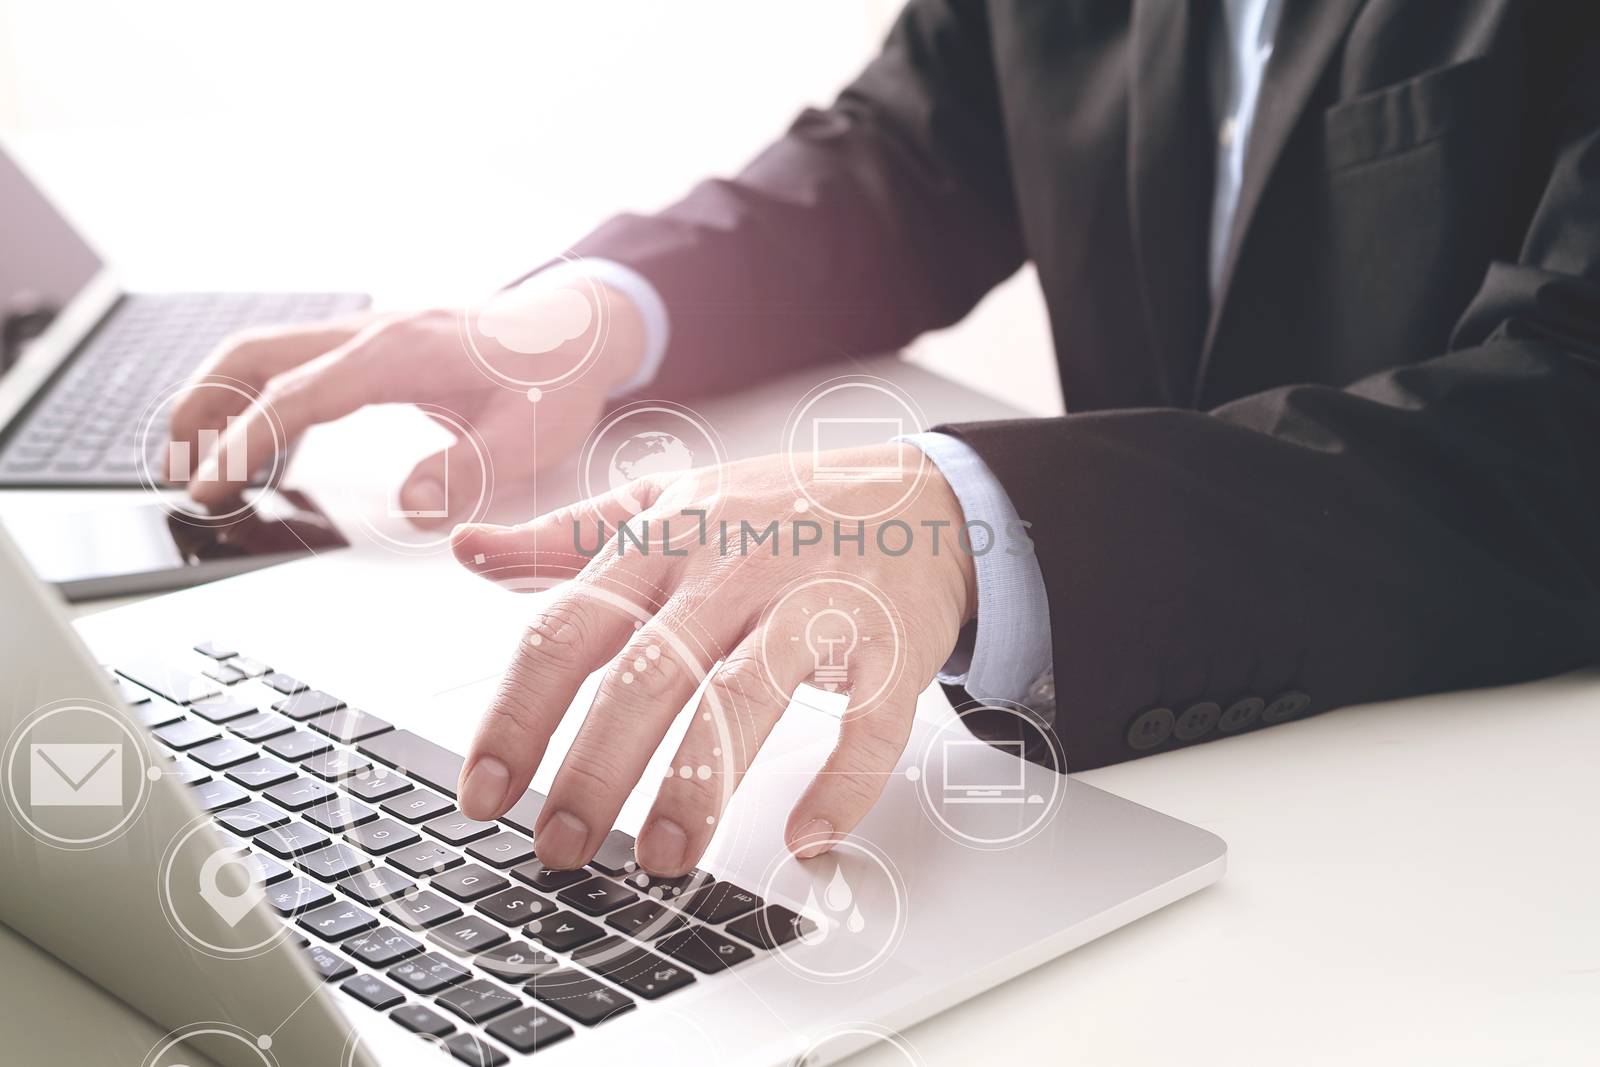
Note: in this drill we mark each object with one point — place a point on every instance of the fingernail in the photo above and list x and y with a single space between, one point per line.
424 494
560 843
663 847
813 839
483 790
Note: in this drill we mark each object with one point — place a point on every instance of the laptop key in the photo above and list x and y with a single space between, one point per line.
382 835
425 761
515 906
539 876
331 967
428 973
467 935
223 753
153 713
422 909
286 842
525 812
335 764
297 745
772 926
336 921
223 674
597 896
659 888
478 1001
704 949
339 814
251 818
374 992
167 681
298 794
297 895
474 1051
381 947
266 870
250 668
456 829
504 849
638 970
332 863
419 805
217 794
615 855
260 726
221 709
283 683
185 772
348 725
721 901
528 1030
377 885
425 859
215 650
260 773
374 783
563 931
646 920
421 1019
184 734
469 883
578 996
516 961
308 704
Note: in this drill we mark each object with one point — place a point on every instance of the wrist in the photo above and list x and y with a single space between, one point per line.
963 568
622 348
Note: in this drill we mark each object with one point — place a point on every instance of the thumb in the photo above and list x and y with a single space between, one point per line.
447 485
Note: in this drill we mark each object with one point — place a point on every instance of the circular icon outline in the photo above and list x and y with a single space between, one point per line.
802 484
281 930
463 430
260 1044
600 327
695 531
1047 812
785 952
859 705
875 1033
141 799
253 399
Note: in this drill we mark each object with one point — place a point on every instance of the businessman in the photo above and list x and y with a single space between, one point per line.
1324 282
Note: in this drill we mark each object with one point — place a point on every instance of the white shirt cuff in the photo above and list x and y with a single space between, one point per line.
1010 650
638 290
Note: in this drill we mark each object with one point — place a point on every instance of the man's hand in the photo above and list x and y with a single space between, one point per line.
311 374
712 603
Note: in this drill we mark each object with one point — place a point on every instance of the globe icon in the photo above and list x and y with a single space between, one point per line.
652 452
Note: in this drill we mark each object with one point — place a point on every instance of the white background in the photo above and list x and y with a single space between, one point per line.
429 151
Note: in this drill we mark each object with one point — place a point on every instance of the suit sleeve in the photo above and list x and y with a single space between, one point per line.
885 215
1433 527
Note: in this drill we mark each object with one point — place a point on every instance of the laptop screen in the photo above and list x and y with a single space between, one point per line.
43 261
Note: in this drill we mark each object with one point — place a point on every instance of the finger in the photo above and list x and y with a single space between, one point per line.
328 387
639 697
447 484
582 627
251 359
747 694
854 774
558 544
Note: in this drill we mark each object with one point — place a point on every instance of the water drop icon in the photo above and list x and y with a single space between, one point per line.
838 895
856 923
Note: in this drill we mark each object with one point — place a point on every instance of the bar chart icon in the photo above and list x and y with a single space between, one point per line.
181 460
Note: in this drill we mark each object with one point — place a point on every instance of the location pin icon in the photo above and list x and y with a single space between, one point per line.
231 907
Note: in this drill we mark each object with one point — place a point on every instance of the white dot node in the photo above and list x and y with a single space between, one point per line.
685 772
264 1041
706 715
627 677
913 773
653 652
535 394
153 773
640 664
717 751
711 820
536 640
802 505
702 772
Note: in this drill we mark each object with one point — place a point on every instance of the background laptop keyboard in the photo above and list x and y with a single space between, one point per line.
82 430
448 925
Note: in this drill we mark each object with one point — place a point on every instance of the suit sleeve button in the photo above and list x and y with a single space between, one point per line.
1286 706
1198 721
1150 729
1240 713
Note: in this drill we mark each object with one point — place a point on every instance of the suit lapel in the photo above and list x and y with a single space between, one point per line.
1170 167
1308 34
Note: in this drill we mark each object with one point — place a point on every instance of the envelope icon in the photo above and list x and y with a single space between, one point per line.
75 776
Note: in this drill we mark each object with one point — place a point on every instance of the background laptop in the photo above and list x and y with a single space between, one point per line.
81 360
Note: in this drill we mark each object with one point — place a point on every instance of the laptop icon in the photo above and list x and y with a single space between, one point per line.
965 785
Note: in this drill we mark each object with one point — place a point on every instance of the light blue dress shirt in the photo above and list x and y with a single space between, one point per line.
1007 653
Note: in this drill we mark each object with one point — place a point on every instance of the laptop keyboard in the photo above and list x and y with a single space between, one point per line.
448 925
84 429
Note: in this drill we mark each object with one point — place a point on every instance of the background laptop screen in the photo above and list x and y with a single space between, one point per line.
56 264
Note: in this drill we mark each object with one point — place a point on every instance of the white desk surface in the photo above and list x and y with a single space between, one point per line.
1409 883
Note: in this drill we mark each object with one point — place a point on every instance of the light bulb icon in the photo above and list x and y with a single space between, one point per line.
831 635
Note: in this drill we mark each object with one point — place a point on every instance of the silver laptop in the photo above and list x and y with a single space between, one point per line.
82 361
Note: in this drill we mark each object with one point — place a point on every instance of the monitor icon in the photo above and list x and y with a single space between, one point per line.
969 780
829 433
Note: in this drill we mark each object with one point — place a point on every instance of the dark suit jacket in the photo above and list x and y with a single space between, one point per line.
1371 469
